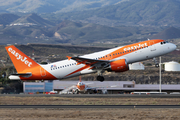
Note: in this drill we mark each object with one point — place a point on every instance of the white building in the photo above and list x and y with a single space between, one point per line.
136 66
172 66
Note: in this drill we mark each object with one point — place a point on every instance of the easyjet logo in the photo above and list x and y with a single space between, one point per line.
20 57
135 47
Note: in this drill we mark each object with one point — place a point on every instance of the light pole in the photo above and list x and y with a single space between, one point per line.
160 74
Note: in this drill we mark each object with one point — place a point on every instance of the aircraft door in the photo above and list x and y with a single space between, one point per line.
43 72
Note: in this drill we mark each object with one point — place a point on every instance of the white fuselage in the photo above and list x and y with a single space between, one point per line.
66 68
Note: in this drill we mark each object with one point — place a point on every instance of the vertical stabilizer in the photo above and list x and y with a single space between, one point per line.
19 59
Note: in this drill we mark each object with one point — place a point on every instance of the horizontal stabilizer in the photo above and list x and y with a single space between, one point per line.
22 74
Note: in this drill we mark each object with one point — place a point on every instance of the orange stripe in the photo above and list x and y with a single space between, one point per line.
85 66
129 49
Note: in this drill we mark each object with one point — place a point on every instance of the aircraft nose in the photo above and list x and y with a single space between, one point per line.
173 46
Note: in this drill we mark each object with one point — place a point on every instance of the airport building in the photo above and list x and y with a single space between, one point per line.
112 87
34 87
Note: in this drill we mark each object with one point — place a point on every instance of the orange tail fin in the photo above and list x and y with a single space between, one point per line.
19 59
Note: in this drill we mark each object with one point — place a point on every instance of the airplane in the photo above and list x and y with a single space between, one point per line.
80 87
111 60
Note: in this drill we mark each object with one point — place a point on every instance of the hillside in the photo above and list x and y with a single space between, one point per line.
104 12
132 12
7 18
34 18
169 33
48 6
35 30
76 33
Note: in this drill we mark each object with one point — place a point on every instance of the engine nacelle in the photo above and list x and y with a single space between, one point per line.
119 66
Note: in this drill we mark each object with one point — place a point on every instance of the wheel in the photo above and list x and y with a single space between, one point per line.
100 78
76 91
157 65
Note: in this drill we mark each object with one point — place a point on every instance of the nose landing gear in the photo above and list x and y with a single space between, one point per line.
156 63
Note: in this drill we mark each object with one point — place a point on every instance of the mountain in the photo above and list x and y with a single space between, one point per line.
48 6
30 28
79 33
104 12
7 18
169 33
34 18
132 12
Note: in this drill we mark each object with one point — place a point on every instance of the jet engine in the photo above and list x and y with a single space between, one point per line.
119 66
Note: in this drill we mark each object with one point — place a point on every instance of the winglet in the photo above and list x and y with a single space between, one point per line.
68 57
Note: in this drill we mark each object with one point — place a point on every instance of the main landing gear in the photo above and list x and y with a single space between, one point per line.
100 78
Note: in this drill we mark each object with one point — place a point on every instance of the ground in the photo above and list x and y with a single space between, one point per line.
87 113
12 100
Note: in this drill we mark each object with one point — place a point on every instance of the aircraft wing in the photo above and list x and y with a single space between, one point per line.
92 62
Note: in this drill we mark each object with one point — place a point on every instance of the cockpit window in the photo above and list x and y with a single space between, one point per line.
164 42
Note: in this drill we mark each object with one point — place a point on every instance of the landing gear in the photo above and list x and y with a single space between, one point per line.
100 78
76 91
156 63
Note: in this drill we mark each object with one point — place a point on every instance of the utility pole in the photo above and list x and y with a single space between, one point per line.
160 74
